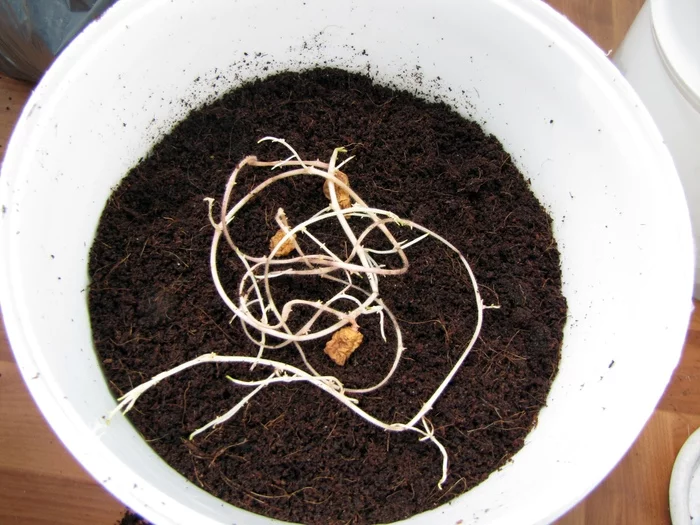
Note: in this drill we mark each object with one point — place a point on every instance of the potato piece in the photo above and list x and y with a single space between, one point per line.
343 343
286 248
343 196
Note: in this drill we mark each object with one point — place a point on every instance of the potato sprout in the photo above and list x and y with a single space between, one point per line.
358 275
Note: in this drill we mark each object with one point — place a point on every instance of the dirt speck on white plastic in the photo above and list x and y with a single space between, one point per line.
518 65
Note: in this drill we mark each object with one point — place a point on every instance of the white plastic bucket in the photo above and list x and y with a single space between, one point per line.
566 115
660 56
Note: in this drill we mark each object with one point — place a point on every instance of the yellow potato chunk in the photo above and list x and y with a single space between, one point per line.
343 343
343 196
286 248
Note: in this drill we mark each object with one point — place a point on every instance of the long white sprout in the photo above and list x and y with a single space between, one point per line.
357 274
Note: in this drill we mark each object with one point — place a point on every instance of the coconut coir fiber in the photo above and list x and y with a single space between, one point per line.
294 453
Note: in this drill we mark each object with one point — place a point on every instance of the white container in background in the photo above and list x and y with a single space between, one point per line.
567 116
660 56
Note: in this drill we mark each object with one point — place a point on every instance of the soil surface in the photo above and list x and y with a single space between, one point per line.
293 452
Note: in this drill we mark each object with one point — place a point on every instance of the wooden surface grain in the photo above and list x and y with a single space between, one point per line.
41 484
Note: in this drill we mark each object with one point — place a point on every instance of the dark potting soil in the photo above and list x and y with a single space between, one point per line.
293 452
132 519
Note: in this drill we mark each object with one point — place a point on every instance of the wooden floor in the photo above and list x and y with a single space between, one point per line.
40 483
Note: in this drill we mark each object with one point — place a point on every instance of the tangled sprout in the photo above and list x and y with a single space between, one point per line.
357 274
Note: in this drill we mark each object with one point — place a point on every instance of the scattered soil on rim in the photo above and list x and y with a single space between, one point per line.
294 453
